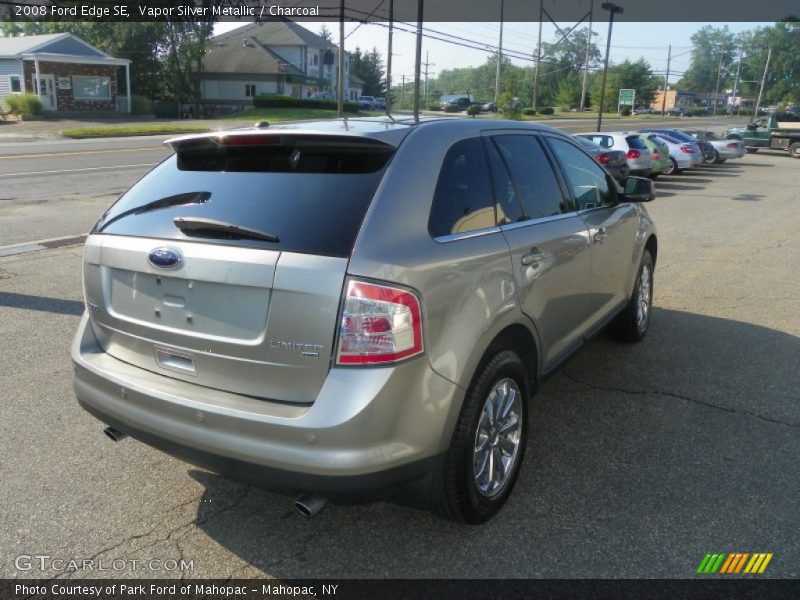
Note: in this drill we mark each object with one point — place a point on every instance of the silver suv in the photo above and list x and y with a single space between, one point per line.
360 309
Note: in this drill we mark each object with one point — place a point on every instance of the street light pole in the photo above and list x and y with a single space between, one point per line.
716 89
612 9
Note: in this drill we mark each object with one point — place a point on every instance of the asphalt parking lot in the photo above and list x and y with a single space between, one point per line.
641 460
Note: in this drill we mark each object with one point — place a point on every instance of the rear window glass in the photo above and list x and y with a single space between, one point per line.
634 141
604 141
312 198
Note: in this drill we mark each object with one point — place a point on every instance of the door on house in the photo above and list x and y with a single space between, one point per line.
47 92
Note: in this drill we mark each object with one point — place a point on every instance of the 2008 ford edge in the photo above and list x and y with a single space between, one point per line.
361 309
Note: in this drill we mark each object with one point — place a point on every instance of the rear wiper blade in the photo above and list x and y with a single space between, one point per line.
176 200
200 226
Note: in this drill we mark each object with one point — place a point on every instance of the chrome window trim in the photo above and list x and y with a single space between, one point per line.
537 221
454 237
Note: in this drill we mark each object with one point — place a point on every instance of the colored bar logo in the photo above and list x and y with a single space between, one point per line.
734 563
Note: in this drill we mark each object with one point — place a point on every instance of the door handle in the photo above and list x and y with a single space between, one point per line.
534 257
599 236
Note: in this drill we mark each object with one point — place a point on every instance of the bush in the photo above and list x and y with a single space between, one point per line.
528 112
141 105
547 110
473 110
278 101
625 111
434 106
24 105
452 108
700 112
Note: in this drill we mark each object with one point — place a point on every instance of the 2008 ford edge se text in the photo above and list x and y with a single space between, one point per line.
357 310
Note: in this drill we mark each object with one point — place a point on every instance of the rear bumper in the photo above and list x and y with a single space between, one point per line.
371 433
727 153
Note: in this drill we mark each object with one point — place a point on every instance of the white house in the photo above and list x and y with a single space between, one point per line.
272 57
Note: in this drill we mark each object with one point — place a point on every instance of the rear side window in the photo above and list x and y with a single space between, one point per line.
532 174
311 195
463 199
634 141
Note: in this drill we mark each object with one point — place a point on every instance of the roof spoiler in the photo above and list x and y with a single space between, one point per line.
273 137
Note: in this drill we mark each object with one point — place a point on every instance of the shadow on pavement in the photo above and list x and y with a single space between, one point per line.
684 442
41 303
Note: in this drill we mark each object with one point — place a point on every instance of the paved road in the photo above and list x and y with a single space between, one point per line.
642 458
82 177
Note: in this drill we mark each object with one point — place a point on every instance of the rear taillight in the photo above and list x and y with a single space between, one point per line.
379 325
655 155
687 149
603 159
733 145
633 153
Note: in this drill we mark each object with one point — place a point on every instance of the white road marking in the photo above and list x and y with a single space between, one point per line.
76 170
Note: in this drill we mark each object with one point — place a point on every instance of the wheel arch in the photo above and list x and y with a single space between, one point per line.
651 245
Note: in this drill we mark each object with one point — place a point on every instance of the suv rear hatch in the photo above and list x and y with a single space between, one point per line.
224 266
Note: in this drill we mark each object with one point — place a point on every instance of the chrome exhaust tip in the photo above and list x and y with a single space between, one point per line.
113 434
309 505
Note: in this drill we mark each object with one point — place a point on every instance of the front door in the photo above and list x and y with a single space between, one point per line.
613 227
47 92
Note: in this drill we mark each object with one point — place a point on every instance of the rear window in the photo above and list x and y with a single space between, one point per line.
604 141
634 141
311 195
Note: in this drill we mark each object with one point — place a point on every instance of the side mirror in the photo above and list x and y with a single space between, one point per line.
638 189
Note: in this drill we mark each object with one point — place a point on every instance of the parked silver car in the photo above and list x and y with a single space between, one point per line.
357 310
636 151
723 149
682 155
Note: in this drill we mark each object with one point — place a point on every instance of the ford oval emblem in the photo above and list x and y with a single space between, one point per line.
165 258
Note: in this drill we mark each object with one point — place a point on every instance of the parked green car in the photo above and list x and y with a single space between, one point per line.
659 154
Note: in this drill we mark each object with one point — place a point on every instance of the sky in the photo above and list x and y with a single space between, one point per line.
628 40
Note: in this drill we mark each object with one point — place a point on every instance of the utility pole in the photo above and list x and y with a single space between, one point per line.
418 59
586 59
340 78
736 82
389 60
403 93
538 57
666 83
763 80
499 56
612 9
427 64
716 89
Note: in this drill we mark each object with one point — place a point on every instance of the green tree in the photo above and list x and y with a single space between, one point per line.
636 75
710 45
369 67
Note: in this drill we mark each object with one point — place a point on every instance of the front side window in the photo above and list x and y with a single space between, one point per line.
463 198
16 85
533 176
586 179
91 88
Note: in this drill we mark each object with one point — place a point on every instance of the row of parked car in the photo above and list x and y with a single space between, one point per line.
653 152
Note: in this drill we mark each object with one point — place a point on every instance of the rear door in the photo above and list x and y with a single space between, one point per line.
613 227
217 308
548 240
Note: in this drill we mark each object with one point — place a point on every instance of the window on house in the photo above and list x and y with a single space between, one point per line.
250 90
91 88
316 60
16 85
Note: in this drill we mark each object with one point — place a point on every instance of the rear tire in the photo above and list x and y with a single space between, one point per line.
717 160
794 150
632 323
475 490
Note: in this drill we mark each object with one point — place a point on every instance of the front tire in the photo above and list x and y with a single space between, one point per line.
715 159
672 167
488 444
794 150
632 323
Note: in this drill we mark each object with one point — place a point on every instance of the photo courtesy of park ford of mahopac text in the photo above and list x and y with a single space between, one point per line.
404 299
